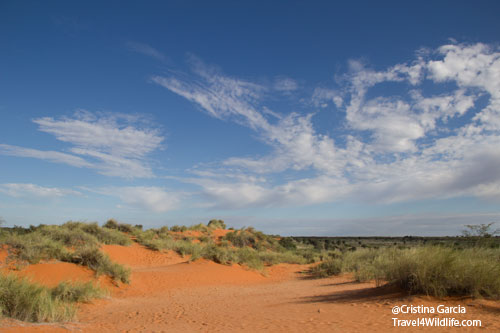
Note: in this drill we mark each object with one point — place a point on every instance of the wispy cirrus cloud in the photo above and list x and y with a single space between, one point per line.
48 155
399 146
32 190
146 49
112 144
149 198
285 84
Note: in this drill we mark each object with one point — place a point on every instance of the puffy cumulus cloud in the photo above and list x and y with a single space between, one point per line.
149 198
113 144
32 190
401 144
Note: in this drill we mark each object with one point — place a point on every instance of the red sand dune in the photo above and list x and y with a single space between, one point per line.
168 294
138 256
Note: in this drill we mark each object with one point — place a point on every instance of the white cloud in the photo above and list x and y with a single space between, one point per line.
402 144
146 50
112 144
150 198
52 156
322 96
285 84
32 190
103 134
220 96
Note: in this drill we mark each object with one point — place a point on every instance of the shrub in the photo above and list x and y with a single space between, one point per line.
216 224
288 243
217 254
177 228
249 257
241 238
327 268
199 227
111 224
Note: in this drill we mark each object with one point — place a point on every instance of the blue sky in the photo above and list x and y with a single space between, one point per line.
298 118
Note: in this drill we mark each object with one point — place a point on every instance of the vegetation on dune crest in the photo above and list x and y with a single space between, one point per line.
74 242
246 246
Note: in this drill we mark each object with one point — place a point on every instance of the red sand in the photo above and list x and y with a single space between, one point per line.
52 273
138 256
169 295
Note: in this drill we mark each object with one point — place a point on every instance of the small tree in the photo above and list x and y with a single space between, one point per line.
481 234
480 230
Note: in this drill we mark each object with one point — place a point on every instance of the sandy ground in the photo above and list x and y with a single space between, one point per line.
168 294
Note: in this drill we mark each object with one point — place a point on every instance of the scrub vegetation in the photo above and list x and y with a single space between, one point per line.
439 266
467 265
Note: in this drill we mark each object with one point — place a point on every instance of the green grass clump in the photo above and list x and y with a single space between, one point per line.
23 300
99 262
77 292
27 301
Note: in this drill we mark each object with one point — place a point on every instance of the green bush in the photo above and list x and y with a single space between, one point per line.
111 224
241 238
177 228
288 243
218 254
199 227
216 224
327 268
